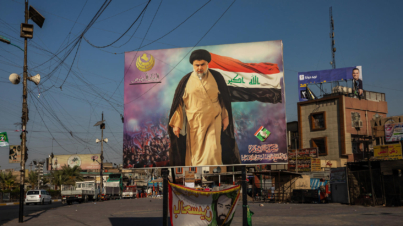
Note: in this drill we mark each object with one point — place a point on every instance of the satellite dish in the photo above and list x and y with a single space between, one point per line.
14 78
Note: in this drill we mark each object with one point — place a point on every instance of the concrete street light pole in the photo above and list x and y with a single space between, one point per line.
102 127
102 153
24 123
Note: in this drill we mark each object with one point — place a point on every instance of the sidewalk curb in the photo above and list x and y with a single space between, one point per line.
17 203
9 204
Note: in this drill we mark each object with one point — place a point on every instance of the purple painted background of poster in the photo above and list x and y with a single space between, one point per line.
147 106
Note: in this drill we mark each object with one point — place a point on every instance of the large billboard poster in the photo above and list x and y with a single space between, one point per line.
253 74
394 132
324 76
85 161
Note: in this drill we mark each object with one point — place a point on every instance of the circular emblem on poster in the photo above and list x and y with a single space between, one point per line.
74 160
145 63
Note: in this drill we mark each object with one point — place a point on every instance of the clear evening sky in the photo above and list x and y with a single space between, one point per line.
367 33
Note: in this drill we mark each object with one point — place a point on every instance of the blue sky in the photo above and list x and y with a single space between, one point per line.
367 33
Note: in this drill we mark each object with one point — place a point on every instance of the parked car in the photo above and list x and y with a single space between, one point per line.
38 196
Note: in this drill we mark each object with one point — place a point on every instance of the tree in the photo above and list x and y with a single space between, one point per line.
7 180
2 176
67 175
33 179
58 178
45 180
73 173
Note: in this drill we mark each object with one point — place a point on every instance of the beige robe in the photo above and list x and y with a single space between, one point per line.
204 121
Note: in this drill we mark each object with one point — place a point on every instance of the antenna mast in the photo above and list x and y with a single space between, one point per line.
333 49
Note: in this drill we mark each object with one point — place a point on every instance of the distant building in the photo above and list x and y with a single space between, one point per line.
339 125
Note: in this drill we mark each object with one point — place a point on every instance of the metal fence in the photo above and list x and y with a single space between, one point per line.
360 187
393 190
276 187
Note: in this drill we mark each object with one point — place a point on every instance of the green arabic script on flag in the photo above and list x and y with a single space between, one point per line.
3 139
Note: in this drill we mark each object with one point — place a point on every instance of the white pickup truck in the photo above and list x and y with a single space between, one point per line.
80 192
129 192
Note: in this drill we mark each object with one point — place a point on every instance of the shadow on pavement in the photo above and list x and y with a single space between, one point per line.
34 215
10 213
138 221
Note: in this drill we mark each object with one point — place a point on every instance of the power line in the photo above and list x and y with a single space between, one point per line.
187 53
139 48
123 33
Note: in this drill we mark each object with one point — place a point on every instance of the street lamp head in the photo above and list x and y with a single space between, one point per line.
14 78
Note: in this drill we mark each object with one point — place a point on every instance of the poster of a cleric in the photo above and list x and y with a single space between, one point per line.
191 207
205 106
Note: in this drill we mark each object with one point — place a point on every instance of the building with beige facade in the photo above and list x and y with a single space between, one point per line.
339 125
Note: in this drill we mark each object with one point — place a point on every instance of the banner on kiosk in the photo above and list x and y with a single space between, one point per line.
192 207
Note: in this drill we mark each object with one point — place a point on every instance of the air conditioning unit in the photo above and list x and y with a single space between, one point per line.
357 123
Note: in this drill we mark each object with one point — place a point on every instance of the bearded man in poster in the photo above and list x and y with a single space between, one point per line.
201 124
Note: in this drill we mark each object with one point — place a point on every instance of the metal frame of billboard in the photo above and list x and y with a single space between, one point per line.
322 77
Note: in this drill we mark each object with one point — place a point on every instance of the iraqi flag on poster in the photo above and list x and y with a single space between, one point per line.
249 81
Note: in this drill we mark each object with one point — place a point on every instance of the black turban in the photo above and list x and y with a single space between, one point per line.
200 54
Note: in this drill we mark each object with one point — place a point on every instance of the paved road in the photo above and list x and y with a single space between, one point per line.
143 212
9 213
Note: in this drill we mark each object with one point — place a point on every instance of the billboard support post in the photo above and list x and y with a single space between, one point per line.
244 198
173 175
165 173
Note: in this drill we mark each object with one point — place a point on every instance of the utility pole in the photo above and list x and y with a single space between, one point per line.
101 124
24 123
102 152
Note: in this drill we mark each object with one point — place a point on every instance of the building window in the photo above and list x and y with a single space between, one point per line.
193 169
321 144
318 121
179 170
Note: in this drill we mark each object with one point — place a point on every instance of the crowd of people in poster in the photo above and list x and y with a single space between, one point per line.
147 147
